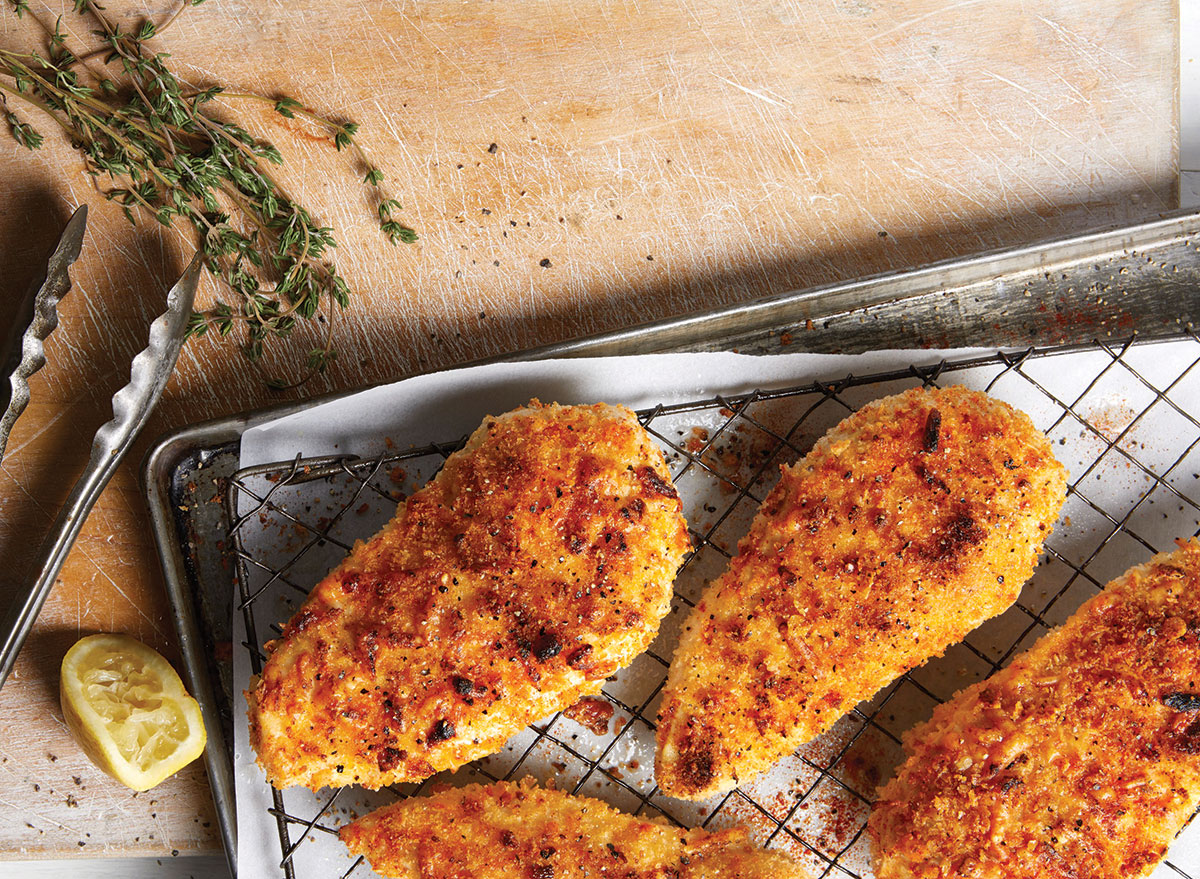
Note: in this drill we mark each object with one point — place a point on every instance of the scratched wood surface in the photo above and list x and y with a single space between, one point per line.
650 159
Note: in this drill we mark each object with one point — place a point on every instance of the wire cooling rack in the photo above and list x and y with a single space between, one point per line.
1119 416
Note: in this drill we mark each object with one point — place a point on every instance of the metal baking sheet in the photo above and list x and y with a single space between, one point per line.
1106 285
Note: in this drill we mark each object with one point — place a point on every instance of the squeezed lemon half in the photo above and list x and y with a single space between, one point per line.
128 710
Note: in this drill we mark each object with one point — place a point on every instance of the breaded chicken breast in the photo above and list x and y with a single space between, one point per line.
1081 758
906 526
521 831
534 565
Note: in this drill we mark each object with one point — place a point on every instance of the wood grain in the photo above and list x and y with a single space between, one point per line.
663 157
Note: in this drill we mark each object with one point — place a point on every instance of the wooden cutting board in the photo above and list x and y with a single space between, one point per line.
649 159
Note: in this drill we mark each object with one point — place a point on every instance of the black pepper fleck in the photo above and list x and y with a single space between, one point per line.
1182 701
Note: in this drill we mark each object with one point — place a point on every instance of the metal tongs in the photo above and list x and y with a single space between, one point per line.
132 405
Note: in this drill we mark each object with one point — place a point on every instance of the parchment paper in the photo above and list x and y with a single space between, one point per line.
1141 400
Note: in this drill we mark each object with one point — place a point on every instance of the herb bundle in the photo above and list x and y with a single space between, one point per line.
162 153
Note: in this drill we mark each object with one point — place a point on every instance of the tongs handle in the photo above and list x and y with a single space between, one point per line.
18 621
131 408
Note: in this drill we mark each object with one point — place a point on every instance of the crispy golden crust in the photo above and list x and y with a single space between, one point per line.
906 526
537 563
1081 758
521 831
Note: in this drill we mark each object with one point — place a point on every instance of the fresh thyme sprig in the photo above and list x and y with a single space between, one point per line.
167 156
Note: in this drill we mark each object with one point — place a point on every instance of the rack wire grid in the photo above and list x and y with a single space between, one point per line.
1120 419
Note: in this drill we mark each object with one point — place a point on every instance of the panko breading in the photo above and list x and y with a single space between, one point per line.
521 831
906 526
534 565
1081 758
